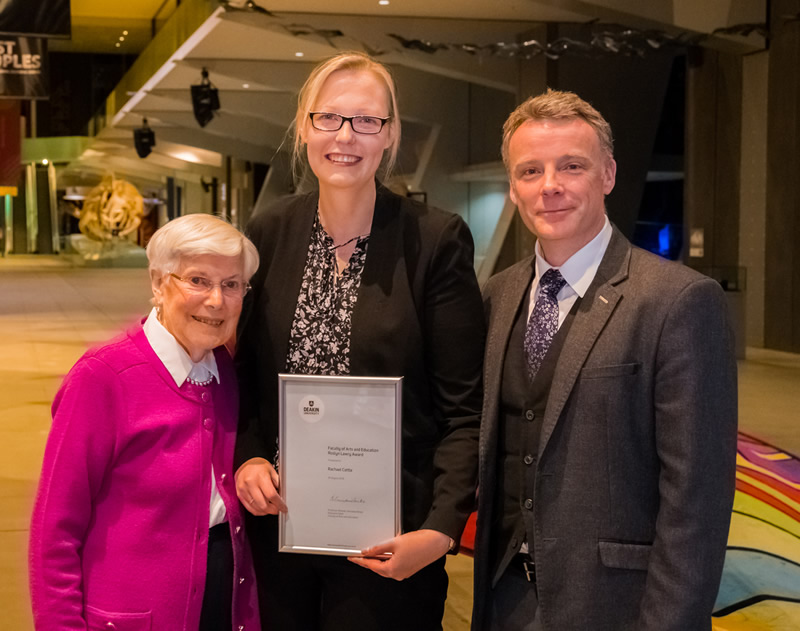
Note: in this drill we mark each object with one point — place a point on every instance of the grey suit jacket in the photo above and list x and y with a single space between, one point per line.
636 469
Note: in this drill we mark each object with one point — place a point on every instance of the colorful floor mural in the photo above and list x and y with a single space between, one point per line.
760 588
761 581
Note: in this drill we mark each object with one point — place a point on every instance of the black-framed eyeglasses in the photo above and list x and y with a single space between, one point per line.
234 289
328 121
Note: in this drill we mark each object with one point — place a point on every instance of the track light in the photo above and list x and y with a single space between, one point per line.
144 139
205 100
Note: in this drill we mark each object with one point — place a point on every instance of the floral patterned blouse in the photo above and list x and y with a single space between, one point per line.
319 341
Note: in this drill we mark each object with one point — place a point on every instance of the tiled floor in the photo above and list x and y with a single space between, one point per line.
50 312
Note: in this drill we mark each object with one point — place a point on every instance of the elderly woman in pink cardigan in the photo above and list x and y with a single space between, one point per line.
136 525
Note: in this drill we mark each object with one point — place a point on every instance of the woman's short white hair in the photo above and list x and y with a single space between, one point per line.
196 235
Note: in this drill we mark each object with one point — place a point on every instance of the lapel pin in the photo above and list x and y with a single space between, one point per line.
603 299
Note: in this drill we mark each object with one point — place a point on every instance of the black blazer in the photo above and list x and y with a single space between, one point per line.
418 315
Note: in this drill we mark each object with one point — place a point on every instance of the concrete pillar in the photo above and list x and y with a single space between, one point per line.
713 175
44 236
782 252
713 156
753 196
19 223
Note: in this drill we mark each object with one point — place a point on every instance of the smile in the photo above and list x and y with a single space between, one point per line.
339 158
209 321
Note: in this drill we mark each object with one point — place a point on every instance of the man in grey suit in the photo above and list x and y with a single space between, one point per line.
608 440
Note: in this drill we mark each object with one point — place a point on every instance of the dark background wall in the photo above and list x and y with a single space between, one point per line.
630 92
79 86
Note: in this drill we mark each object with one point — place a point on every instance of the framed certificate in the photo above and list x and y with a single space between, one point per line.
340 462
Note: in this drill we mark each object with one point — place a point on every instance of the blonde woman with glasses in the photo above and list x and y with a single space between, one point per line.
355 280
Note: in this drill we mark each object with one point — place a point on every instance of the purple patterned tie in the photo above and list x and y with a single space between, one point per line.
543 323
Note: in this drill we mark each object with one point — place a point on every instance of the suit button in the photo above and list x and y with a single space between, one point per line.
530 415
529 503
208 424
223 476
528 459
204 397
241 580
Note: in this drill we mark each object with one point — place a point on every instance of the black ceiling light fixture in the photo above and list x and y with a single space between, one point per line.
144 138
205 100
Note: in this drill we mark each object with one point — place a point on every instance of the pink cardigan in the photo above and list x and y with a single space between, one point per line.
120 526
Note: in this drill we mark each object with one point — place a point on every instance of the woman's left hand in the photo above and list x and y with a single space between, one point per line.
410 552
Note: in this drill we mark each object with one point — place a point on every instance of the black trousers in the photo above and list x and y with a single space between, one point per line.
309 592
514 603
218 595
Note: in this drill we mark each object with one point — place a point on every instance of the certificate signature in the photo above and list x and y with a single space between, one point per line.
348 500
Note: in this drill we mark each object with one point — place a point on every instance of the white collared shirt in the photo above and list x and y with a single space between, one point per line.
181 367
579 271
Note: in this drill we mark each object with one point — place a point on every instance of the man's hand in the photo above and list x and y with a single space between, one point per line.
410 552
257 485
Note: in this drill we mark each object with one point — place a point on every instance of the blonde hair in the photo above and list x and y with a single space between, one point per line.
309 93
196 235
558 105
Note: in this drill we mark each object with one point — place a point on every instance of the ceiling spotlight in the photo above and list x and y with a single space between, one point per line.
117 44
383 2
245 85
144 139
45 162
121 38
205 100
299 54
124 32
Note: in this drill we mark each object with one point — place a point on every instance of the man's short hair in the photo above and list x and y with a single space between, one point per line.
558 105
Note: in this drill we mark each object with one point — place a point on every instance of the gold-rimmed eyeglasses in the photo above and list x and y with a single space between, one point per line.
328 121
232 288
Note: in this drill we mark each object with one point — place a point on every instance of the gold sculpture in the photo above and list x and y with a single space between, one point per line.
112 210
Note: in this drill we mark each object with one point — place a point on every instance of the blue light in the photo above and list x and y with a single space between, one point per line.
663 241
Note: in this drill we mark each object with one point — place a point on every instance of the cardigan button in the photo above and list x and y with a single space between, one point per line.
238 528
528 459
529 503
241 580
110 625
204 397
223 476
208 424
